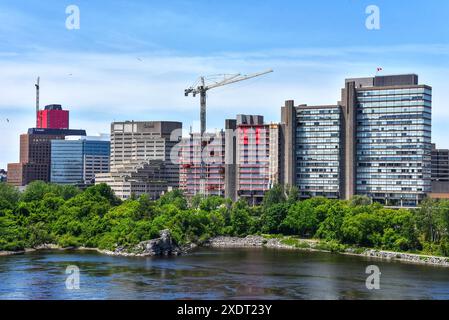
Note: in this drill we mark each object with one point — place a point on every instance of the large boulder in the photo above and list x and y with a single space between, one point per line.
162 246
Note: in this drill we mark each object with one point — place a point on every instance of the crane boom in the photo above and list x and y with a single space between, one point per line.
238 78
202 86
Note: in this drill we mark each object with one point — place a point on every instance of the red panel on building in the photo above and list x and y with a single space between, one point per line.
53 117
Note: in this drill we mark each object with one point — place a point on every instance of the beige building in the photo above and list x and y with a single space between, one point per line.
141 163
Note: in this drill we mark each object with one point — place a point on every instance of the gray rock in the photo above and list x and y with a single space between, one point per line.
407 257
235 242
163 246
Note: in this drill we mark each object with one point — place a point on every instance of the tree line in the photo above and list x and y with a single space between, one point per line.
66 216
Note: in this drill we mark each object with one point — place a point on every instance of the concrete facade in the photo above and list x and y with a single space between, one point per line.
252 154
141 158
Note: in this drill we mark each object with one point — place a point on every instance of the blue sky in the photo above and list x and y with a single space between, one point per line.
132 59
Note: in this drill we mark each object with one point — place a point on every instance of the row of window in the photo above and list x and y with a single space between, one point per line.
382 92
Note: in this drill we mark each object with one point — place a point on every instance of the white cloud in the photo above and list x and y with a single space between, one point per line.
98 88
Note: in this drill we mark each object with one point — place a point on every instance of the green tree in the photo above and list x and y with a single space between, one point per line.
292 195
241 220
301 219
9 197
359 200
330 228
175 197
272 218
274 196
428 220
211 203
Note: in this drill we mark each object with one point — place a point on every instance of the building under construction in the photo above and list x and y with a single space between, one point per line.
205 168
252 157
202 164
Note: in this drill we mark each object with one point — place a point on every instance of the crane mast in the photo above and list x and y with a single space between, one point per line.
37 101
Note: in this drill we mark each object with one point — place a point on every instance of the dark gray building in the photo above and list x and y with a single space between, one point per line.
440 170
440 164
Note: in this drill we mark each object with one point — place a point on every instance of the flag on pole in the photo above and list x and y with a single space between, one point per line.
379 69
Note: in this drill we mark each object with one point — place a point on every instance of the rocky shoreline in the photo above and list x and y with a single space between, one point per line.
166 246
252 242
405 257
162 246
311 245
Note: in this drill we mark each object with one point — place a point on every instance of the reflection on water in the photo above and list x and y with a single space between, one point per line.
216 274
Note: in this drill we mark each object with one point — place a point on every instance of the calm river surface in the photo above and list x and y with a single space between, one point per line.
216 274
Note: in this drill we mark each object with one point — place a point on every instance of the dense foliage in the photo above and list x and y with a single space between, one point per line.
64 215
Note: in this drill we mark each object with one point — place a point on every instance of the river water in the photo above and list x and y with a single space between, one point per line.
216 274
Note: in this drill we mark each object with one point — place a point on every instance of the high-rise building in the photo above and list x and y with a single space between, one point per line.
375 142
256 167
53 117
77 161
35 146
141 158
35 155
392 130
316 139
202 162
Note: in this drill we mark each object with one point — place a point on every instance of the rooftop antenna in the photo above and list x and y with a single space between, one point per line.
37 101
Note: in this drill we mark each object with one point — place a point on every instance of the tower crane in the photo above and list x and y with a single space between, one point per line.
205 84
201 87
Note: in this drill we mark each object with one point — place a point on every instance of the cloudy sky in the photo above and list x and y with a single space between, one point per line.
132 60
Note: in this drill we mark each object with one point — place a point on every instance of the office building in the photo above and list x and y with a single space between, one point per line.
77 161
440 164
141 158
440 173
35 155
316 154
376 142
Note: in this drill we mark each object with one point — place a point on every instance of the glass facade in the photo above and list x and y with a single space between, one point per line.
318 151
393 135
77 161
